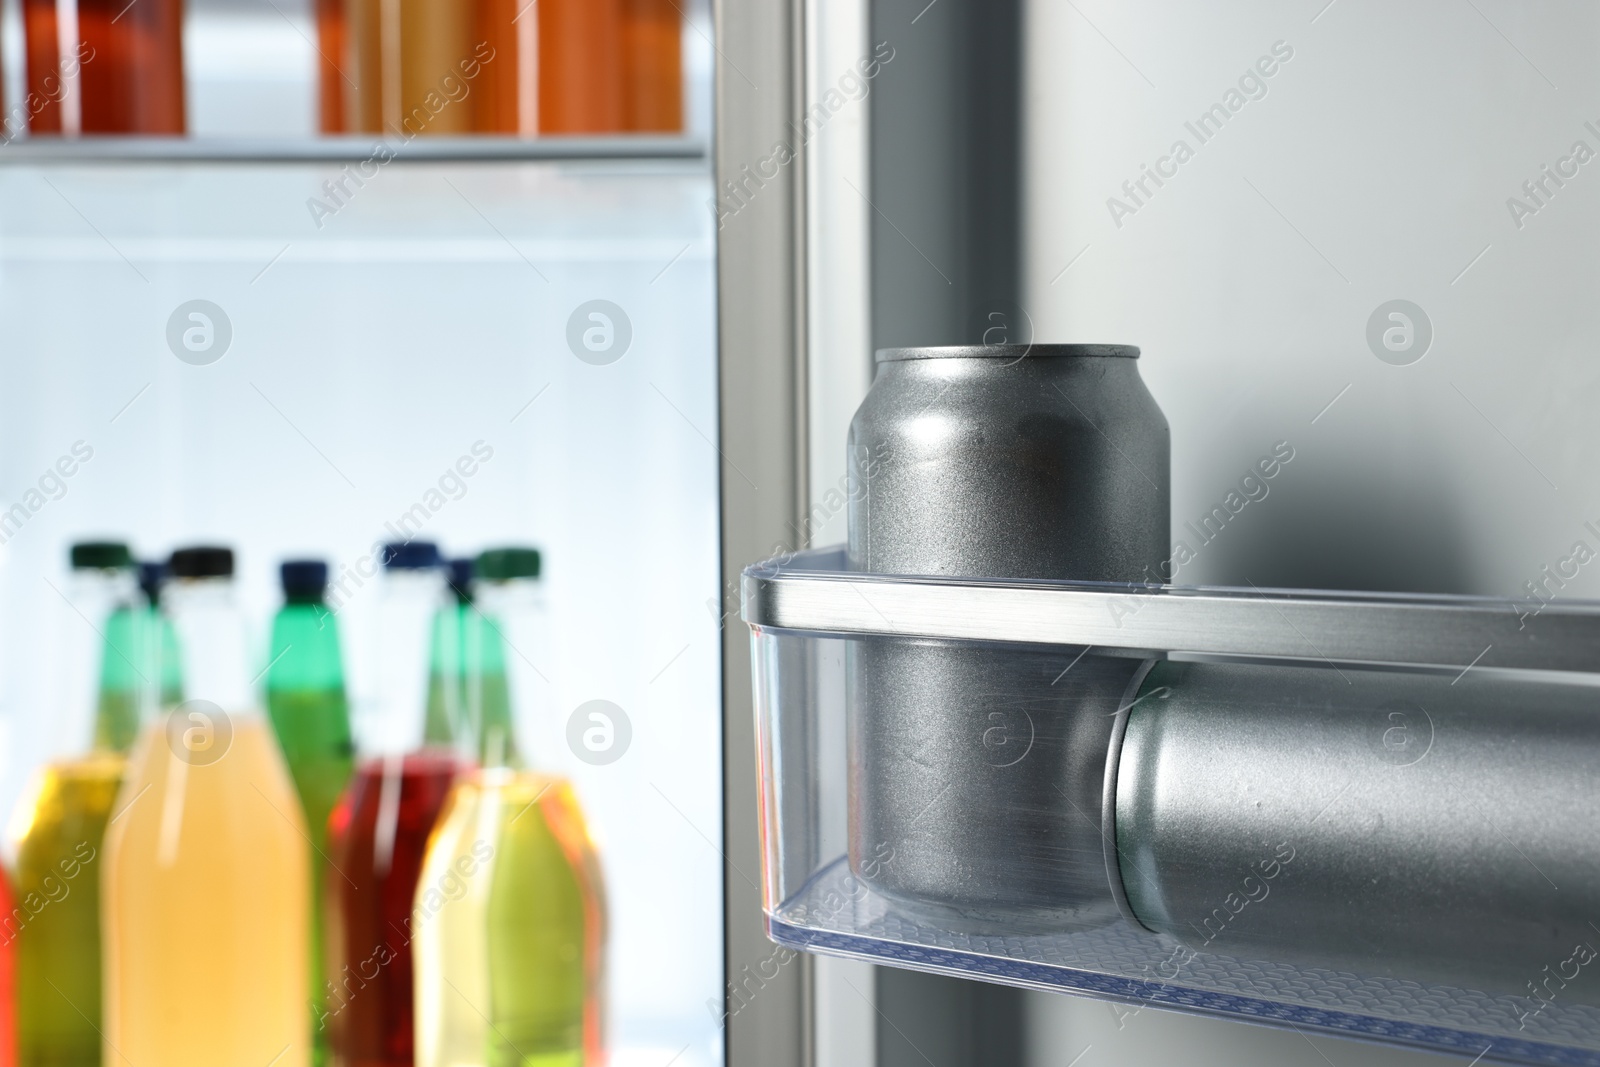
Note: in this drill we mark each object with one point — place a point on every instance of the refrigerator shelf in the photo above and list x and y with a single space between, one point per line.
346 149
1364 814
814 591
1320 1003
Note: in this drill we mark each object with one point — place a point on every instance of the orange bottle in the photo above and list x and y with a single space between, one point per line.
104 66
415 66
510 67
365 36
580 66
652 59
558 67
508 89
332 46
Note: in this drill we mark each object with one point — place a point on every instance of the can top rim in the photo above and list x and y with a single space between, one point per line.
1006 352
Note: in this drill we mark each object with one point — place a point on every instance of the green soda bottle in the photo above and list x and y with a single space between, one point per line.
310 715
60 823
157 639
136 633
469 701
510 963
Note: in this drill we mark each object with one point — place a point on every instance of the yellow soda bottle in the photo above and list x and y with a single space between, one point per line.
206 917
58 827
510 908
510 924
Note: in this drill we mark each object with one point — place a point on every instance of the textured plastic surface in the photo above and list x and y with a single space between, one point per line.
833 887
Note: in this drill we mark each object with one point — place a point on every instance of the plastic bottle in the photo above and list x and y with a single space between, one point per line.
58 828
206 862
510 904
652 60
104 66
469 704
427 67
310 715
379 831
333 48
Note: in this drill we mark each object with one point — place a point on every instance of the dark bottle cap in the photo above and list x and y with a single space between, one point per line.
100 555
411 555
152 576
461 573
201 561
502 564
304 580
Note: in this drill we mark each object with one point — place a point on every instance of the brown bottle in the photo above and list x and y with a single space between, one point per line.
416 65
652 59
580 66
508 90
104 66
333 43
363 107
520 67
558 67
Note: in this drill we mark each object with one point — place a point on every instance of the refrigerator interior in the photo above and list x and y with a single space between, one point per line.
355 358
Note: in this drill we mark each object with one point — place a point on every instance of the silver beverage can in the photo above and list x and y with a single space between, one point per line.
1377 822
979 768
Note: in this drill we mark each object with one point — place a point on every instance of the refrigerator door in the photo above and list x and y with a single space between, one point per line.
1027 184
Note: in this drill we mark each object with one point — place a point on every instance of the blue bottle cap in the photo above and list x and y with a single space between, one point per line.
304 580
152 576
411 555
461 574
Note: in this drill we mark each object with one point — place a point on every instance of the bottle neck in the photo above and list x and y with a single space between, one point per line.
396 656
103 668
211 643
304 653
139 674
513 612
469 702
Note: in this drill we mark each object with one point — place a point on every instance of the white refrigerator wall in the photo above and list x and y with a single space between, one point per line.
427 320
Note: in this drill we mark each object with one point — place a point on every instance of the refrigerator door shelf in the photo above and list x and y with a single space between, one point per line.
812 591
1358 813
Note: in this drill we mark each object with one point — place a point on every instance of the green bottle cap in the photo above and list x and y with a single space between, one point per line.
100 555
503 564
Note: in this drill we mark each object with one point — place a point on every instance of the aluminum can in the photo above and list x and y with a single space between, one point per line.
1402 825
979 768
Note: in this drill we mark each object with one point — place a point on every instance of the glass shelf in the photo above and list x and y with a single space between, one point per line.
351 149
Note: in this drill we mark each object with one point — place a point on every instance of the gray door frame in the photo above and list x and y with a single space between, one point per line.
761 379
